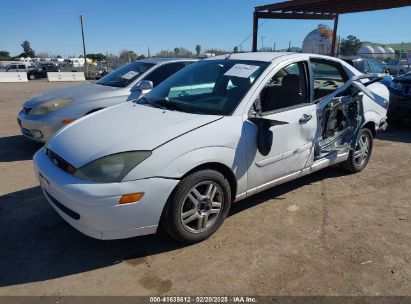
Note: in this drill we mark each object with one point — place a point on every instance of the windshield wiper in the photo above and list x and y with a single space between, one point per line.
145 102
170 105
161 103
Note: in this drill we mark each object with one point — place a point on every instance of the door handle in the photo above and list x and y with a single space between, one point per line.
305 118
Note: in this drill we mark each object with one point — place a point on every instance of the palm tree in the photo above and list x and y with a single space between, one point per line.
198 50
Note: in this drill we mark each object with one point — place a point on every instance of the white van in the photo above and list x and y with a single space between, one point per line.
20 67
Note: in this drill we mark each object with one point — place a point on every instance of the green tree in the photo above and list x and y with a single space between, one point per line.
176 51
198 50
27 50
235 49
350 45
97 57
4 55
126 55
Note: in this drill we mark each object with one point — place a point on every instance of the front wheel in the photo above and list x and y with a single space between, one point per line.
197 207
358 158
32 77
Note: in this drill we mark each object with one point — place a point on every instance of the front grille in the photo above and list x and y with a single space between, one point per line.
26 110
60 162
74 215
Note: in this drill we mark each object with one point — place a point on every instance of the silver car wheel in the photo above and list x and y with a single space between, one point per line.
202 206
362 150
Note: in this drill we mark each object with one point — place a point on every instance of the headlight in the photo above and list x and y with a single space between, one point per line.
50 106
112 168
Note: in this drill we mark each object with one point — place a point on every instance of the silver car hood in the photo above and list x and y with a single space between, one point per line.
79 93
125 127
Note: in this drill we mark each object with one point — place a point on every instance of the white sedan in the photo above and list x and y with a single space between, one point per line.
218 131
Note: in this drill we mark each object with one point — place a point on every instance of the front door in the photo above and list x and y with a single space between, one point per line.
285 105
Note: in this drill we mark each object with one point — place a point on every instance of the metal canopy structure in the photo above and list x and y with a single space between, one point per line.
319 10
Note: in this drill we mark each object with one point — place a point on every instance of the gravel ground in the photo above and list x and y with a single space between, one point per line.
325 234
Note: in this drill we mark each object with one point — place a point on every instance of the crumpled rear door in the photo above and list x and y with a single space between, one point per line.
341 116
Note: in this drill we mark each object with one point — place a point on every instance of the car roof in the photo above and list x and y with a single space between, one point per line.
159 60
271 56
256 56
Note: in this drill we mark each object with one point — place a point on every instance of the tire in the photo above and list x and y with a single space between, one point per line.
32 77
190 215
359 158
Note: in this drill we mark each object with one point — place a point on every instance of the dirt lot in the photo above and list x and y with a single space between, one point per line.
326 234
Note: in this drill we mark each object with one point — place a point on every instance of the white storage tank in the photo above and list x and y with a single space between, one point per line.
366 51
389 53
379 53
318 41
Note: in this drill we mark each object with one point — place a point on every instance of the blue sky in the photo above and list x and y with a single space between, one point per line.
110 26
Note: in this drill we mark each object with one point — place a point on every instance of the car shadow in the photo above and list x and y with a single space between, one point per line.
399 132
16 148
36 244
278 191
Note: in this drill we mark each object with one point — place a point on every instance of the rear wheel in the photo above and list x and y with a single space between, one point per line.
358 158
32 77
198 206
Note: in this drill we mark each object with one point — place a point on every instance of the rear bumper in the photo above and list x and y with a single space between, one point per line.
93 209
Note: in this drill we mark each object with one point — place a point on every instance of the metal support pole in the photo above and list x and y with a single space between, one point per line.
334 38
255 32
84 45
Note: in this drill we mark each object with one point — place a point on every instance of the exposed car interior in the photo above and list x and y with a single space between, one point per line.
327 76
287 88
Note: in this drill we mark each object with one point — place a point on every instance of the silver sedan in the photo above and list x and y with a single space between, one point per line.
43 115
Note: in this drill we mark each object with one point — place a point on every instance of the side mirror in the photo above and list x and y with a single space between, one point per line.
264 134
144 85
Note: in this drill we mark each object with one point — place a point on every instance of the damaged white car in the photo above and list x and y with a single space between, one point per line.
218 131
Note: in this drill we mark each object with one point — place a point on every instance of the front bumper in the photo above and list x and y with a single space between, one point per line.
38 128
93 209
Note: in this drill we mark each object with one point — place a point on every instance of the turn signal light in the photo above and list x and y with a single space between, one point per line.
131 198
68 120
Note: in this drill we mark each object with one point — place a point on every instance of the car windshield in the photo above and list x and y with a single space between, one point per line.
125 75
213 87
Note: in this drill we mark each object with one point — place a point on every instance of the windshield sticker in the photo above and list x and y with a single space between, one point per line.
242 70
129 75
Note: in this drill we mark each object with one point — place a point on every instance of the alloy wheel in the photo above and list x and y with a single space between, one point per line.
362 150
202 206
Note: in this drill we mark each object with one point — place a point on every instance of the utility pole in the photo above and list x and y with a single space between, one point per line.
262 42
84 45
399 59
148 52
289 46
275 44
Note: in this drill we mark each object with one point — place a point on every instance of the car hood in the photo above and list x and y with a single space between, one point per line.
404 78
79 93
125 127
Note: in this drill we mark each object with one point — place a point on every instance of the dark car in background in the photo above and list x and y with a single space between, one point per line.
367 65
400 98
41 71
